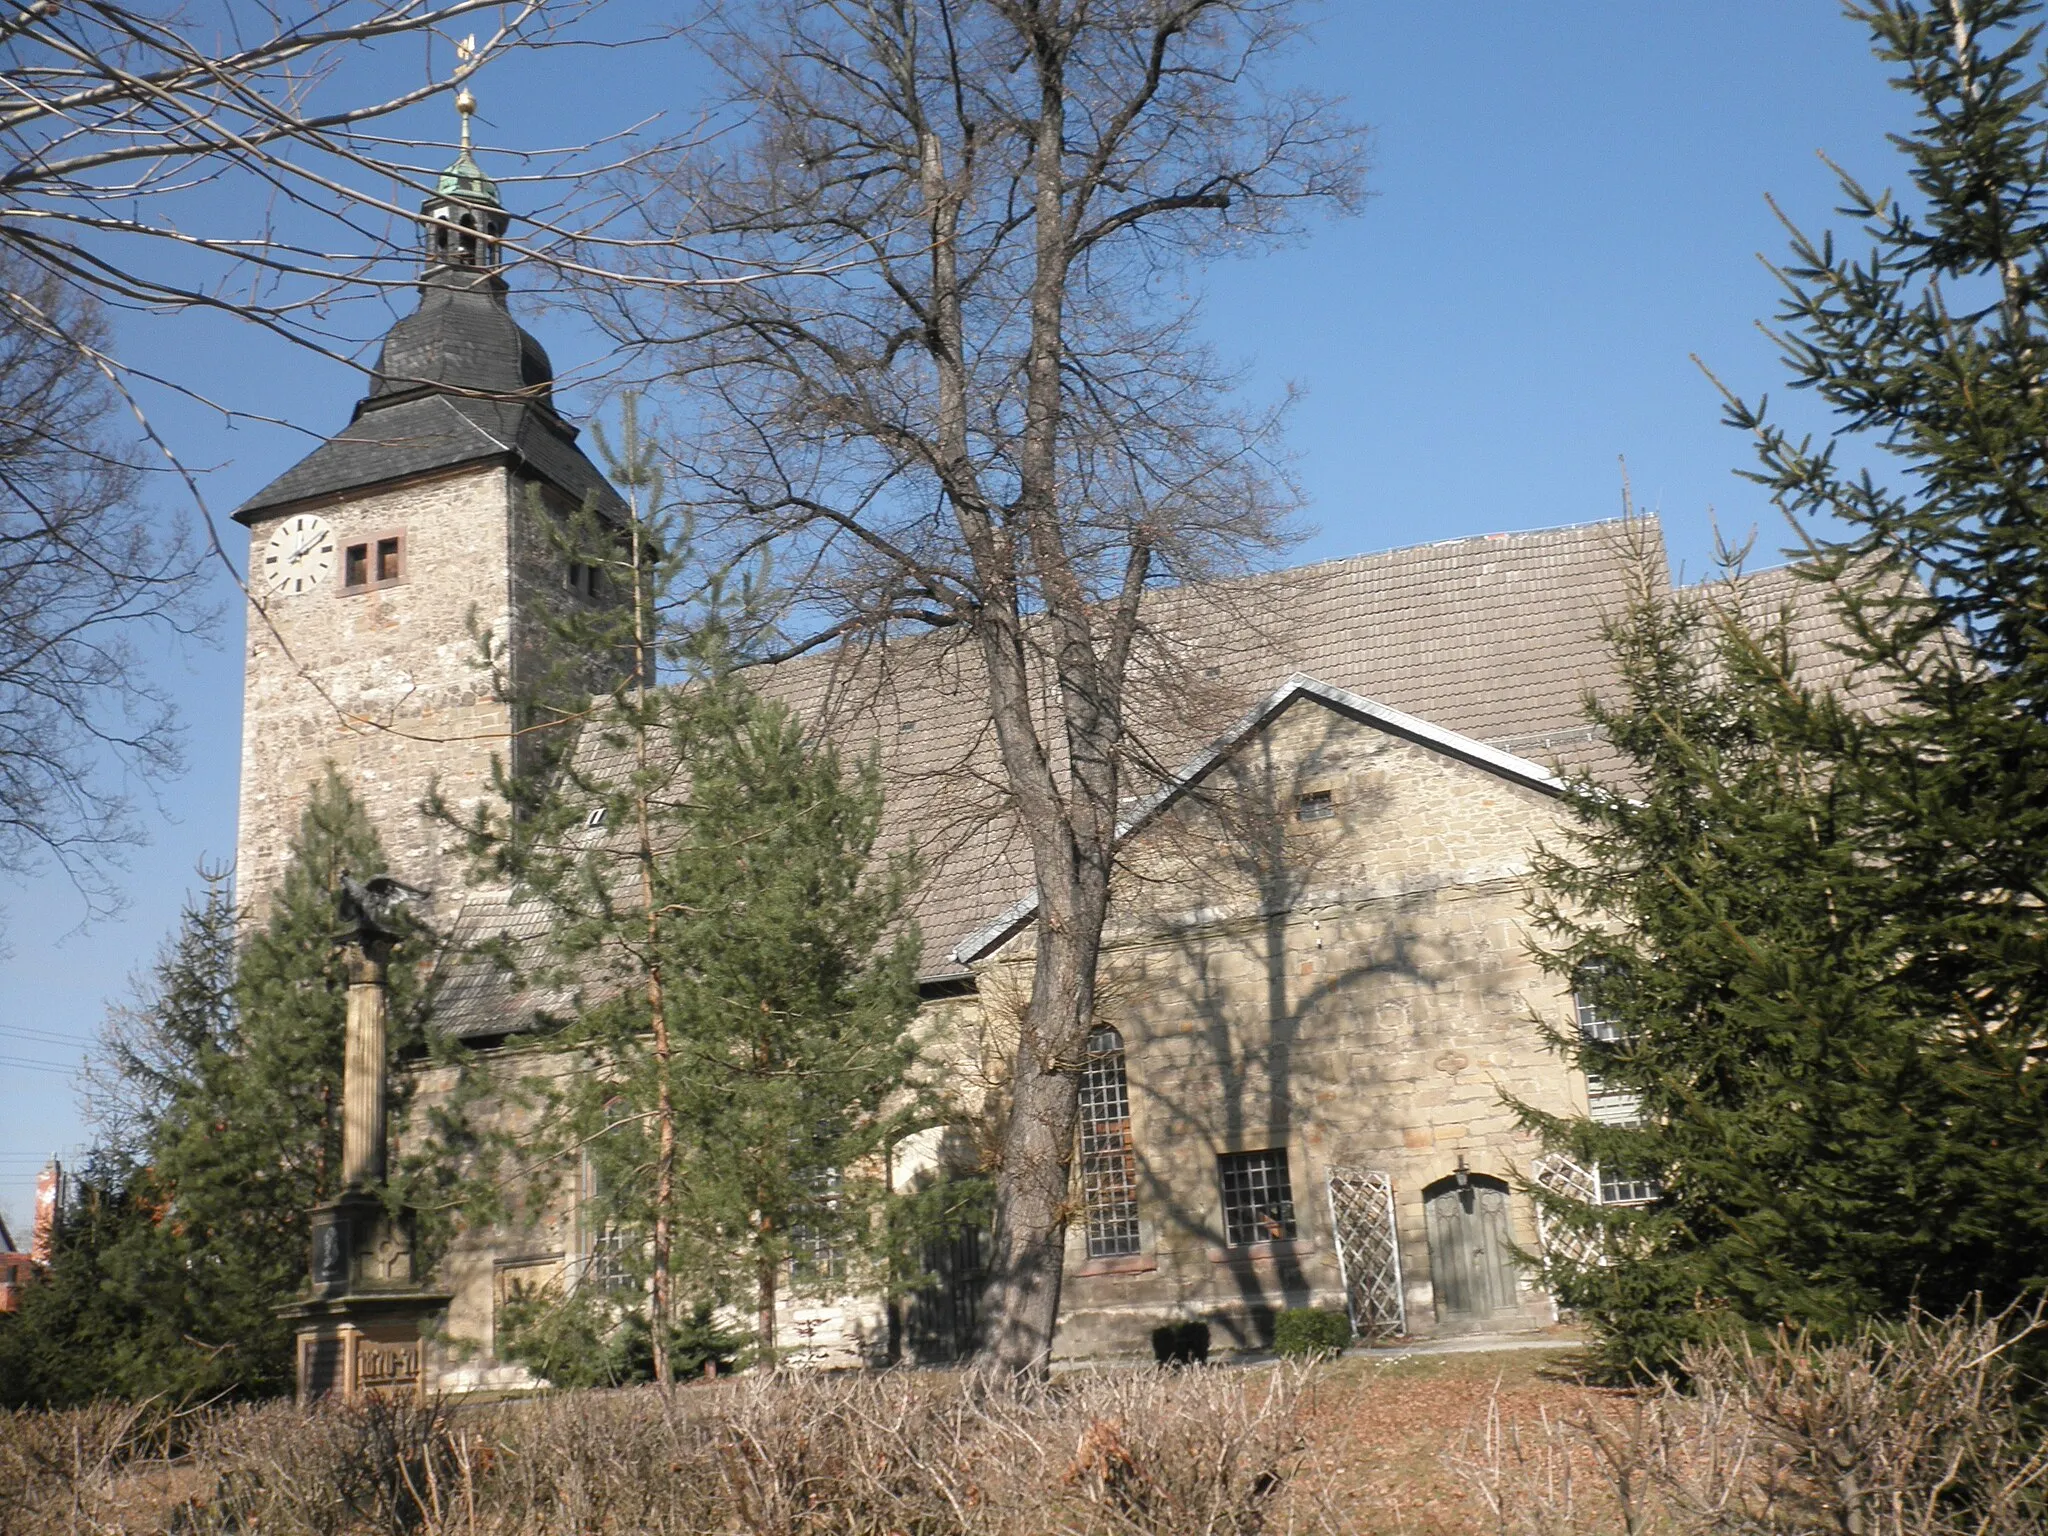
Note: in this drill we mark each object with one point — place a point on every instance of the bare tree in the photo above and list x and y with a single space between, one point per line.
998 425
82 572
229 156
225 157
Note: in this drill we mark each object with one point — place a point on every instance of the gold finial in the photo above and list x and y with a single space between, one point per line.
464 102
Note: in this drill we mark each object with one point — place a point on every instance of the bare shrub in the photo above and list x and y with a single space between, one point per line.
1906 1430
1127 1453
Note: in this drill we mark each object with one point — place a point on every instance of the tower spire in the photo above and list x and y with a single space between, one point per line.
465 219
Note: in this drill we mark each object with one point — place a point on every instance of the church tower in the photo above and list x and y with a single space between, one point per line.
374 561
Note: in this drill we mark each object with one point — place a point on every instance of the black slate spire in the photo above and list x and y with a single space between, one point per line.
458 381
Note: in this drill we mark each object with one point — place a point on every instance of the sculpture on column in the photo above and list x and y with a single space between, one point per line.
362 1318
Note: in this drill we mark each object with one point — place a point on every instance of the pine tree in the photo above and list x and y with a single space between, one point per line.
1823 933
789 1018
218 1099
744 970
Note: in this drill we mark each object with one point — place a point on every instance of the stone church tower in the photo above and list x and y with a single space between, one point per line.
376 559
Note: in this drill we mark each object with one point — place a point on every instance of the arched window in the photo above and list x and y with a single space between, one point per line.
607 1243
1109 1165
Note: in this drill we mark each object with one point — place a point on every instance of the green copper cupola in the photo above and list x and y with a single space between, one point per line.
464 220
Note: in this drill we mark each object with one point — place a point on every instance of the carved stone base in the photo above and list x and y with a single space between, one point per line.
353 1347
363 1321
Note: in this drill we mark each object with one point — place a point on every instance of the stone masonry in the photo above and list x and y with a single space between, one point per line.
384 684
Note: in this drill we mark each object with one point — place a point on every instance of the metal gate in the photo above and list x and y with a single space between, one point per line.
1368 1250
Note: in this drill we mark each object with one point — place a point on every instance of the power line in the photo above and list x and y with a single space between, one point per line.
22 1063
40 1036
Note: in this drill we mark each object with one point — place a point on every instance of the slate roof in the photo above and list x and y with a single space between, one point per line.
458 382
1494 638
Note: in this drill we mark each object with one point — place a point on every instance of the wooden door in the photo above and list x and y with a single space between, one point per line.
1471 1254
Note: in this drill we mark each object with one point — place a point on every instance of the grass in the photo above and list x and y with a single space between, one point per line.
1911 1428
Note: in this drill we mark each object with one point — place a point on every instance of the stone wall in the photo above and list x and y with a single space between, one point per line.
381 683
1352 989
386 684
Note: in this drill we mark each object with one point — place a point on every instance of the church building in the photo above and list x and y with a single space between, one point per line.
1316 986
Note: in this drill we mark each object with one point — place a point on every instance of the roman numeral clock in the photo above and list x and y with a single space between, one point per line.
299 555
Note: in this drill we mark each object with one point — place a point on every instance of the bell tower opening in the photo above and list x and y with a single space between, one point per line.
464 221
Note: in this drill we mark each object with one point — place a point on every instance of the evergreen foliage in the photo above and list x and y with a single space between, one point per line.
221 1117
1821 933
744 970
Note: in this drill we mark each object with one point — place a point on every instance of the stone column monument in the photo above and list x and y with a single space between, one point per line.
363 1317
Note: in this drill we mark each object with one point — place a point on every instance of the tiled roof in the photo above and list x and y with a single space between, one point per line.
1494 638
458 382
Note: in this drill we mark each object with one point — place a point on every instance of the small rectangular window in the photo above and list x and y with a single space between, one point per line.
378 561
1617 1190
1316 805
1258 1200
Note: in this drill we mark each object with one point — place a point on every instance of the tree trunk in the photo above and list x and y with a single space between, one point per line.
1033 1191
659 1300
765 1309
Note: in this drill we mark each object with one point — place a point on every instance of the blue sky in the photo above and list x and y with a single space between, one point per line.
1568 204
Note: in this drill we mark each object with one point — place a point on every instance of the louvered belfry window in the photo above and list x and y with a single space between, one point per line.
1109 1164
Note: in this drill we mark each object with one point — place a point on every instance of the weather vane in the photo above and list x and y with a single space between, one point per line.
464 102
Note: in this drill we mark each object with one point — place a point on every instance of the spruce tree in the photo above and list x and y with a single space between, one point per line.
1820 924
1720 921
1931 349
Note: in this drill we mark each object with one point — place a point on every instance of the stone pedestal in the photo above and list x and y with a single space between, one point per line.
364 1316
363 1320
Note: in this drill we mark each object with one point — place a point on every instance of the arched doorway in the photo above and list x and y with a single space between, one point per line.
1471 1252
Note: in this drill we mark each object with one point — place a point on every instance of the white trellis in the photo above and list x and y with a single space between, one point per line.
1557 1174
1368 1250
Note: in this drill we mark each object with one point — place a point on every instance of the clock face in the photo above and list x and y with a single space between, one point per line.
298 556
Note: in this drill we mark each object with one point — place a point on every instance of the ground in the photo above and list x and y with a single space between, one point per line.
1387 1432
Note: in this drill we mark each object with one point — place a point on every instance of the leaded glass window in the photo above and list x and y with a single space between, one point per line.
1109 1163
1258 1200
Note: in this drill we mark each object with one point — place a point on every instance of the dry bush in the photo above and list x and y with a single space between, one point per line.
76 1469
1908 1430
900 1454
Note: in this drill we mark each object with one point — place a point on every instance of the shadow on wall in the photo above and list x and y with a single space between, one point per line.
1234 1033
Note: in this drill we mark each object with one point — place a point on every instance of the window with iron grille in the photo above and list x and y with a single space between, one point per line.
1109 1163
1258 1201
814 1259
